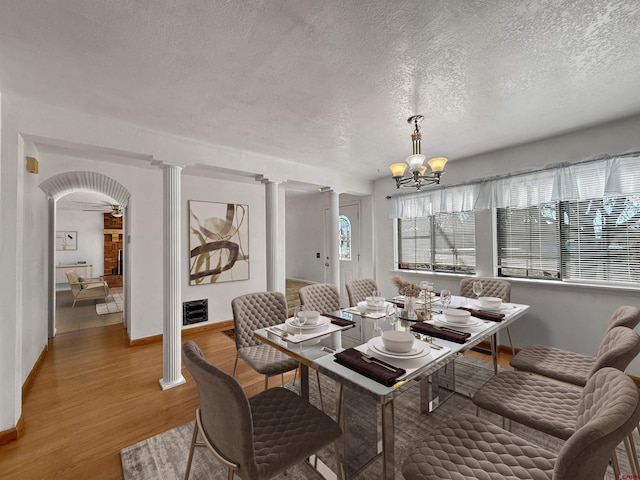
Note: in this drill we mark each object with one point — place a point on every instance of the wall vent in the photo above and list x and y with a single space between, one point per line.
195 311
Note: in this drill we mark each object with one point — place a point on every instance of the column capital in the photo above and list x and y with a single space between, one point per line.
167 164
264 180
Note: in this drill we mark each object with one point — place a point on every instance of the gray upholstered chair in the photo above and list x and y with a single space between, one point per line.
258 437
322 297
491 287
566 366
549 406
359 289
469 447
254 311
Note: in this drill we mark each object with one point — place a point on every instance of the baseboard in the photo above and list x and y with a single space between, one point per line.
12 434
36 367
224 325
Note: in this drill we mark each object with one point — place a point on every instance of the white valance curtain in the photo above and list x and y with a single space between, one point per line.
595 178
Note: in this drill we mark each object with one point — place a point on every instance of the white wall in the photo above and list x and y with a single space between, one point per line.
567 316
90 238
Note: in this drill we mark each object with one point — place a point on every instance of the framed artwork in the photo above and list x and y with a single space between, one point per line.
218 242
67 240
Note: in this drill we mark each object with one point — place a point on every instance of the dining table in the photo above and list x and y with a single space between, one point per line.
345 345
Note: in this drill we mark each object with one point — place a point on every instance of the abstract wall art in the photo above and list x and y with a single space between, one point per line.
218 242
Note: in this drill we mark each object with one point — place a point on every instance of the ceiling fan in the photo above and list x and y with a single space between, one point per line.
106 207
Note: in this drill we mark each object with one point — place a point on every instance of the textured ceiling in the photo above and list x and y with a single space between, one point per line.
331 82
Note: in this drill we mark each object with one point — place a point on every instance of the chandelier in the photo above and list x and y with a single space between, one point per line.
418 176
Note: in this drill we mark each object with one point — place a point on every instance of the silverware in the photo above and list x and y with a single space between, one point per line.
447 329
279 332
370 359
428 340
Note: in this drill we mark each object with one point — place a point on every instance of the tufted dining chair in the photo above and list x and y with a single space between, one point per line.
564 365
469 447
322 297
549 406
491 287
258 437
359 289
251 312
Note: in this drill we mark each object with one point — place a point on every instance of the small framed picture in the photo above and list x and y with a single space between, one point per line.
67 240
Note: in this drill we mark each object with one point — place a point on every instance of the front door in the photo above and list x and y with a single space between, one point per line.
349 247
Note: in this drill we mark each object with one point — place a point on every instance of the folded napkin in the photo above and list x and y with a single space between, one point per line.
484 314
433 331
352 358
343 322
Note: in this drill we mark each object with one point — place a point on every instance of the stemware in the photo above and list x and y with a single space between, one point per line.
377 331
445 298
392 314
301 319
477 288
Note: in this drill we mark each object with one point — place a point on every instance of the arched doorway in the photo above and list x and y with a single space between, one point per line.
81 181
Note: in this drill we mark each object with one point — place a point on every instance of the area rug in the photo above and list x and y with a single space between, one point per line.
114 303
165 455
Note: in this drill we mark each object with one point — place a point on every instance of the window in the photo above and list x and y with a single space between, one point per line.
444 242
345 238
528 242
589 240
601 239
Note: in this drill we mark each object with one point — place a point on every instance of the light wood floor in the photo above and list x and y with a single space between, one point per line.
94 395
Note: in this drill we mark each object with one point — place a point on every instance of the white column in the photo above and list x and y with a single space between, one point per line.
274 283
334 236
171 338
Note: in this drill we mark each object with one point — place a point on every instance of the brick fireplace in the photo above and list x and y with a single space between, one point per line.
113 250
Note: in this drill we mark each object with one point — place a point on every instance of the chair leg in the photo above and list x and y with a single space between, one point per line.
282 379
230 474
235 366
340 473
632 456
193 445
615 464
513 350
266 382
319 390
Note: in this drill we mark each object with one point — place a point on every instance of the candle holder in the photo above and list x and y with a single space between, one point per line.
427 292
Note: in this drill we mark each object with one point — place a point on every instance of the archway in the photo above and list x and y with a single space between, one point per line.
79 181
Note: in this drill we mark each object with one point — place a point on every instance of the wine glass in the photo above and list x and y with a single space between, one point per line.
477 288
445 298
301 319
392 314
377 331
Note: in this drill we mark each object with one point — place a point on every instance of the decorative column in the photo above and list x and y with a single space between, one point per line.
275 278
171 338
334 239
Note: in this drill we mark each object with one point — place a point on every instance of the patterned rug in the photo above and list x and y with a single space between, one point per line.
165 455
114 303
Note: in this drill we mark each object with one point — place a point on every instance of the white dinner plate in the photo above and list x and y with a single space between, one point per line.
376 346
363 307
503 307
473 322
323 322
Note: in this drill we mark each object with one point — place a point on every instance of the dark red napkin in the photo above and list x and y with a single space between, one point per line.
433 331
352 358
343 322
484 314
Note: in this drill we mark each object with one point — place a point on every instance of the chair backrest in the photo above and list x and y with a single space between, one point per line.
491 287
225 413
359 289
74 281
256 310
618 348
323 297
625 316
608 411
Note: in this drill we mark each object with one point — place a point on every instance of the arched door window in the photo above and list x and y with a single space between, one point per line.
345 238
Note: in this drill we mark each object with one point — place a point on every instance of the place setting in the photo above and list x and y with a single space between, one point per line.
307 326
374 306
390 357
